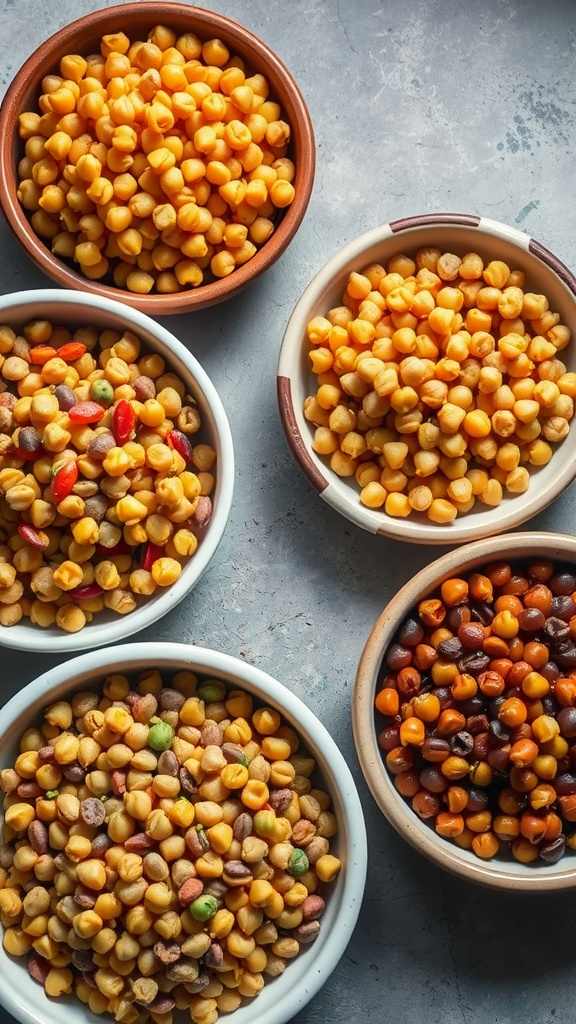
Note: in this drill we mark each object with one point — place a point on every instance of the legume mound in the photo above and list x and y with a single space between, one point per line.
165 848
155 165
476 710
104 494
439 384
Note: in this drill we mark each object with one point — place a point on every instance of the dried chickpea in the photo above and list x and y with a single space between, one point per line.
151 879
86 138
478 385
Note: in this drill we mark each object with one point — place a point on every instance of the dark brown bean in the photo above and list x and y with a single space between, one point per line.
82 959
243 826
236 872
552 851
187 781
171 700
96 506
280 799
233 753
197 841
168 763
38 837
85 898
411 633
306 932
118 781
99 446
214 956
450 648
312 907
471 635
29 790
144 388
65 397
398 657
38 967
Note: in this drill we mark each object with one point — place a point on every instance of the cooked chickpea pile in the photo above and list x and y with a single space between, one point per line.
155 165
476 710
103 494
164 848
439 384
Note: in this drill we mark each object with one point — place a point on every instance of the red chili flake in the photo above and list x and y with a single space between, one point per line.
71 351
86 412
180 443
151 552
37 538
86 592
123 421
63 480
40 354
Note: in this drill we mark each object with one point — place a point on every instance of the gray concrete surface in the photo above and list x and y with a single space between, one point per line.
425 105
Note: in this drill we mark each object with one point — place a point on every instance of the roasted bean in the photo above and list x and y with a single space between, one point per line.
502 727
152 876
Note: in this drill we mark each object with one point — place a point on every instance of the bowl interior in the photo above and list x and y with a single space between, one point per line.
284 996
72 309
136 19
499 872
451 233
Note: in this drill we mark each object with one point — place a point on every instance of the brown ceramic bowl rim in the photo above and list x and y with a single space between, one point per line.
492 873
206 24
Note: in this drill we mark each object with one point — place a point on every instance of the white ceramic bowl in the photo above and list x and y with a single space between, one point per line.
502 872
77 309
284 996
451 232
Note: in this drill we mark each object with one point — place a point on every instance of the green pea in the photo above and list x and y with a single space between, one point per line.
204 907
160 736
102 391
51 794
212 690
299 863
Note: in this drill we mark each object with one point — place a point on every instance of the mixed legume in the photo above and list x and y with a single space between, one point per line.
165 847
439 384
476 710
155 164
104 495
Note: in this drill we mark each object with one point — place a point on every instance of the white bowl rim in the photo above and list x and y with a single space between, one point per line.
511 876
296 986
25 637
314 467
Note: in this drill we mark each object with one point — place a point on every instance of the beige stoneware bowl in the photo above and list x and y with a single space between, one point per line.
451 232
502 872
136 20
282 997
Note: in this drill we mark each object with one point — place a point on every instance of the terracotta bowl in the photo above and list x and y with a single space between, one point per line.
283 996
76 309
503 871
136 20
454 233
